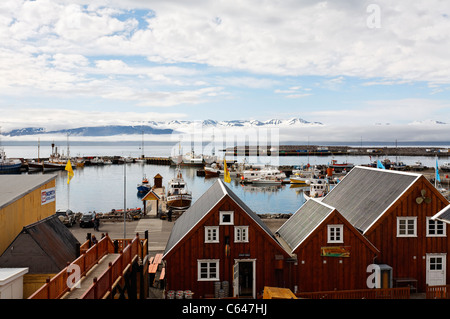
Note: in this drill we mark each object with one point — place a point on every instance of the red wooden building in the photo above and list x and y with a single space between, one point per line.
330 253
220 246
393 212
394 220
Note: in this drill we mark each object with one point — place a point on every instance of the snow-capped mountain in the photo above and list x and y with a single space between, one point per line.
233 123
154 127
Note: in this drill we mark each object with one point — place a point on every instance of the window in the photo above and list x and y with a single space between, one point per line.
406 226
211 234
208 269
435 228
335 233
226 218
241 234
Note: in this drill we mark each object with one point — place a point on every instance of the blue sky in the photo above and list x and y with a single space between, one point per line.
346 64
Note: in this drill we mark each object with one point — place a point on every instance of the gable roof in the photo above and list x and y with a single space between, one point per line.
303 222
54 239
443 215
202 206
365 193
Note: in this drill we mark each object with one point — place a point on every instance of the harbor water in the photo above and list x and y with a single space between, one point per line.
107 187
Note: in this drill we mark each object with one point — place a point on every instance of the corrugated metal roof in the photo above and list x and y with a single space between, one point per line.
364 194
303 222
201 208
13 187
443 215
55 240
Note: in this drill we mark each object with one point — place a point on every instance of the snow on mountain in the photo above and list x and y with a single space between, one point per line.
427 122
175 124
153 127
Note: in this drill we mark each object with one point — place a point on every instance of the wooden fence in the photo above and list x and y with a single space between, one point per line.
57 286
438 292
103 284
388 293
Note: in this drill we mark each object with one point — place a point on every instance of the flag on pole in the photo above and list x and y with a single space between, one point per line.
226 177
438 178
380 165
69 171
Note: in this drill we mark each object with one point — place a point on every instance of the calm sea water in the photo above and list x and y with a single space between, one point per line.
102 188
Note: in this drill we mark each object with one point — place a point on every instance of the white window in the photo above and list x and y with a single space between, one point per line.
406 226
241 234
436 228
208 269
211 234
335 233
226 218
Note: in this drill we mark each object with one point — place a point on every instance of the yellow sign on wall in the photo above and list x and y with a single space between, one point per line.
335 251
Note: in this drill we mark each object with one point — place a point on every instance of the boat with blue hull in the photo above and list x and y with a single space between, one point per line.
7 165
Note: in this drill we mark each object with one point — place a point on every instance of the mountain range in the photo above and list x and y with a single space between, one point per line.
154 127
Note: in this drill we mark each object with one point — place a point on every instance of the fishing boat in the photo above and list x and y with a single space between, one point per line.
318 188
8 165
344 165
178 196
261 175
192 159
144 186
304 176
212 170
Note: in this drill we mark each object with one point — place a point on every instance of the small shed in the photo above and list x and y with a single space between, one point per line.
45 248
157 181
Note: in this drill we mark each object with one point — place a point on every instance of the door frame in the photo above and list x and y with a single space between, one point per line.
236 276
444 266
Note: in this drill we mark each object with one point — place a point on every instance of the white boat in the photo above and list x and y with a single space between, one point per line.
445 166
7 165
267 181
417 166
97 161
266 173
178 196
192 159
318 188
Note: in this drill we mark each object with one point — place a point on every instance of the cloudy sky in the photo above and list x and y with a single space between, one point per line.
367 64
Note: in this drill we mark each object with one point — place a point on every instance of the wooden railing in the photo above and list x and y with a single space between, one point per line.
388 293
438 292
103 284
57 286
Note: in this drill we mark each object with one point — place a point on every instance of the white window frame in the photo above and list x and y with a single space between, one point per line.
222 214
241 234
332 237
436 223
407 220
208 269
210 233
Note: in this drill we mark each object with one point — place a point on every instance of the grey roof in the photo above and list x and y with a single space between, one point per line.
52 237
364 194
13 187
202 207
303 222
443 215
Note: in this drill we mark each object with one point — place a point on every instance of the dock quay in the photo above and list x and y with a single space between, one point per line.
318 150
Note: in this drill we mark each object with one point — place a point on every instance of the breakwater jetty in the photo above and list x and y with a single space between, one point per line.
318 150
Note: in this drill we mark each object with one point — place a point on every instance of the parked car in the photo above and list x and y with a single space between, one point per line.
87 220
66 216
